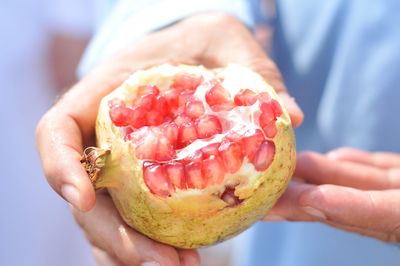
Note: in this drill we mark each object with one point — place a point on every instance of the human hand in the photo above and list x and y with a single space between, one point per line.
213 40
347 188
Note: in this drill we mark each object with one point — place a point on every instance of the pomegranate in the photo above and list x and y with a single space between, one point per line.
192 156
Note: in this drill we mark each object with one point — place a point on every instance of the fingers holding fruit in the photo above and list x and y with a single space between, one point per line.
115 241
351 168
350 189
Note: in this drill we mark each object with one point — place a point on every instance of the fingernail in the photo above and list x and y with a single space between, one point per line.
71 194
314 212
273 218
150 263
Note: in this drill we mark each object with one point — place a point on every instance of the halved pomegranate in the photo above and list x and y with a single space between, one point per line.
195 155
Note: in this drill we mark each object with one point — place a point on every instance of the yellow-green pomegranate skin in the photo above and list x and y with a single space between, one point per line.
194 218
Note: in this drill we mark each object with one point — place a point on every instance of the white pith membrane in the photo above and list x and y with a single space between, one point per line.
240 119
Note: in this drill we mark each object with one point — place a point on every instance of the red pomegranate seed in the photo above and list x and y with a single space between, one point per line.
186 82
172 98
270 129
213 170
272 107
165 151
154 118
223 107
276 107
266 107
267 114
245 97
120 115
170 130
232 156
148 89
210 149
138 118
264 156
160 105
251 142
176 174
194 177
194 109
186 134
217 95
184 97
157 180
145 101
182 119
207 126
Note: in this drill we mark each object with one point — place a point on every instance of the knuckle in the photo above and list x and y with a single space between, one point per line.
213 23
228 20
393 177
223 20
393 236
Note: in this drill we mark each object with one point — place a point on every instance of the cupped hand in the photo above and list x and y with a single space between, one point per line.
213 40
350 189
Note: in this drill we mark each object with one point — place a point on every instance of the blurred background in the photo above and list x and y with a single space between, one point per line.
41 43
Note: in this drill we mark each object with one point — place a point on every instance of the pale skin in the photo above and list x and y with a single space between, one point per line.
68 127
347 188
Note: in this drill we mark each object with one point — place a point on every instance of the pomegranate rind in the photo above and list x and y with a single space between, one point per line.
191 218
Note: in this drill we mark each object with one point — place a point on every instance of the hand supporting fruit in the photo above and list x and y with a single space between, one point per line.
210 39
347 188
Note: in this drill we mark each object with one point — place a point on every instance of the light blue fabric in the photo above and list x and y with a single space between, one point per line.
341 61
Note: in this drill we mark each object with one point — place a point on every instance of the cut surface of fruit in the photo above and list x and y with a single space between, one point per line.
197 131
245 97
192 156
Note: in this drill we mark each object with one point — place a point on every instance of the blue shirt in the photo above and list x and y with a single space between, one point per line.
340 59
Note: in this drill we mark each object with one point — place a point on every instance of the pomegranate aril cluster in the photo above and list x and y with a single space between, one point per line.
209 165
162 123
